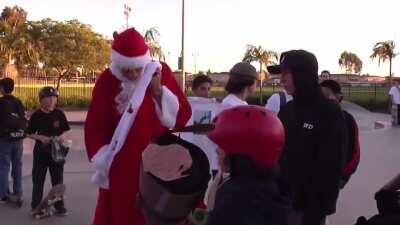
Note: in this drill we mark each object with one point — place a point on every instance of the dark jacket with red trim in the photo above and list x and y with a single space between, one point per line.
352 148
313 157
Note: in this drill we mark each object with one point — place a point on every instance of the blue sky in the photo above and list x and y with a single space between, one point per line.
219 30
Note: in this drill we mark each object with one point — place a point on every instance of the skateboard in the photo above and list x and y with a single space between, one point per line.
44 208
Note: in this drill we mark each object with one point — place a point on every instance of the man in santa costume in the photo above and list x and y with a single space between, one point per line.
134 101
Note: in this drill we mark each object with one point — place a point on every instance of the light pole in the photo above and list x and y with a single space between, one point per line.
183 46
195 55
168 56
127 12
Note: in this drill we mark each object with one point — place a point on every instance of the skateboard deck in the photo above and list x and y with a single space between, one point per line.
44 208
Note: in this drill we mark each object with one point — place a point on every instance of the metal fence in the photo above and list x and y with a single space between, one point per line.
76 92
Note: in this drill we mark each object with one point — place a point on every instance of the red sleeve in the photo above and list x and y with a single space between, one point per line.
185 111
99 126
352 165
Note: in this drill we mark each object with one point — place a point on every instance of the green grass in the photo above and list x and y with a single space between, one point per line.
70 97
78 97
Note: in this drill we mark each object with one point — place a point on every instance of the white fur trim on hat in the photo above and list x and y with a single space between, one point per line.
129 62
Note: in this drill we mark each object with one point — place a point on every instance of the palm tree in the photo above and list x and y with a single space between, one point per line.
152 37
384 50
262 56
351 62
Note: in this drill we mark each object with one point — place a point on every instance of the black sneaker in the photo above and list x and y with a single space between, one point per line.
61 212
4 200
18 201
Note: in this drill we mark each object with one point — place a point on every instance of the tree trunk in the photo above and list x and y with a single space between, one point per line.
261 97
10 58
60 76
390 70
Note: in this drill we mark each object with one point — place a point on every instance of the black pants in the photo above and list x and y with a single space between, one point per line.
396 113
41 162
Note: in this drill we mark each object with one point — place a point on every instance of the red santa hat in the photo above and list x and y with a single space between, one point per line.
129 50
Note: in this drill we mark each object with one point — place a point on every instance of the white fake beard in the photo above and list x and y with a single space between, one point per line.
122 99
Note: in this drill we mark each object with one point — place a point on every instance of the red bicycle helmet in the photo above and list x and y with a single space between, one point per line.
249 130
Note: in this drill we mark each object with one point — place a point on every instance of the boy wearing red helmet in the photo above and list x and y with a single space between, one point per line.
251 194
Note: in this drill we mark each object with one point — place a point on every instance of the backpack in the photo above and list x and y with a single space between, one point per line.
282 99
12 120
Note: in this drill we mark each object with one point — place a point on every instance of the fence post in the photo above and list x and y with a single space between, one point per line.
348 90
375 93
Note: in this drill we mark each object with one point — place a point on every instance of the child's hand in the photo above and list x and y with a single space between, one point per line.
44 139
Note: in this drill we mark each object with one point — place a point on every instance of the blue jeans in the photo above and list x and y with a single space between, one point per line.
10 153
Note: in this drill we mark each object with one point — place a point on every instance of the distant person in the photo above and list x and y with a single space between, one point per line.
325 75
204 109
241 83
278 100
312 159
250 140
332 90
12 132
201 86
394 94
44 124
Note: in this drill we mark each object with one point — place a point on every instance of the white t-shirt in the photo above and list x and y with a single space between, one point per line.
395 93
203 111
232 100
274 102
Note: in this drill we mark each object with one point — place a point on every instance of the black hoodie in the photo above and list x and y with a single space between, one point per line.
313 155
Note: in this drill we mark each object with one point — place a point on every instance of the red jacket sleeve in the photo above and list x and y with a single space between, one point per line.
99 126
352 164
185 111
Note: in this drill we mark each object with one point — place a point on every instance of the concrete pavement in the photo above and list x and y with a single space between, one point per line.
76 117
380 158
80 195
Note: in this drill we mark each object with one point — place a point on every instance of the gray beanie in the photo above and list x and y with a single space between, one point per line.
243 69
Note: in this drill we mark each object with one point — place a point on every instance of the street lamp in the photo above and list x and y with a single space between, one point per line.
183 46
127 12
195 55
168 57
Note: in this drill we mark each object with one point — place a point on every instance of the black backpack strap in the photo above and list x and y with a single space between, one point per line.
282 99
18 106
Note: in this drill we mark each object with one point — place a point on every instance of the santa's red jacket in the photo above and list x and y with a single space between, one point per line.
117 205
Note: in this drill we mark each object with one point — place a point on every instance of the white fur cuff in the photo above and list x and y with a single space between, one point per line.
101 158
101 180
169 108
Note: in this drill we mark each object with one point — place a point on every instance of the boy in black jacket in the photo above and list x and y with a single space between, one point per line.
12 132
332 90
313 156
45 123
